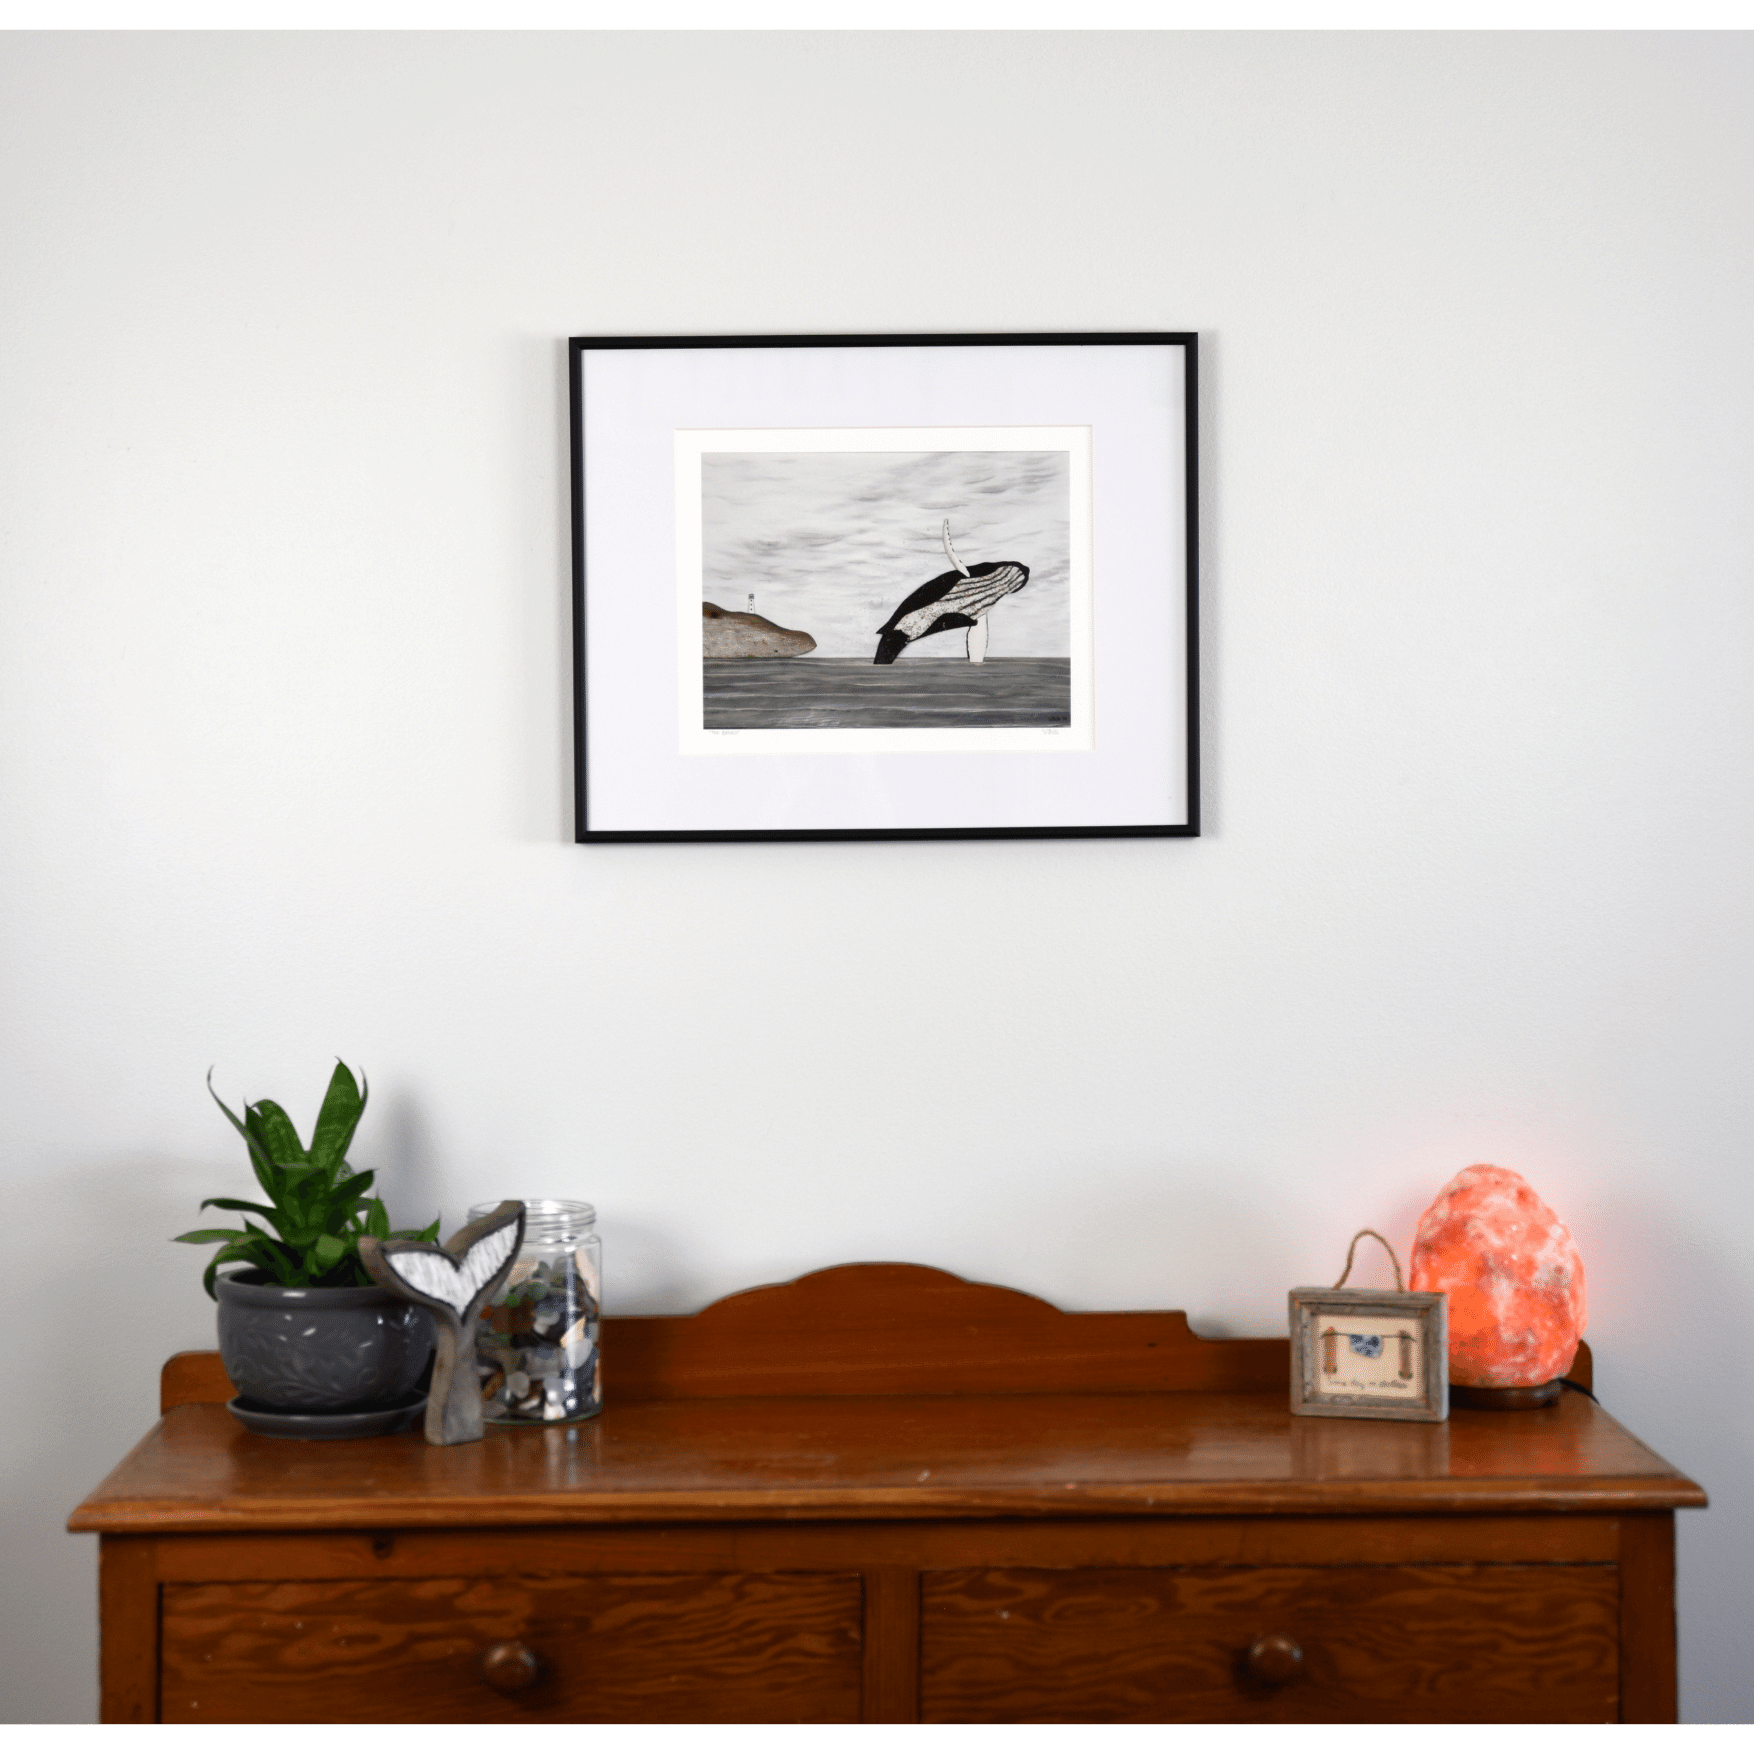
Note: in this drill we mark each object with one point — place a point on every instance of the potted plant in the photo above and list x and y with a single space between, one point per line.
302 1327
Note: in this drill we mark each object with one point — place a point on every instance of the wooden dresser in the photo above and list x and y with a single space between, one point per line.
882 1492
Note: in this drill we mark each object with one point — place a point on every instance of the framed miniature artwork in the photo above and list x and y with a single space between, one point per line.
884 587
1370 1354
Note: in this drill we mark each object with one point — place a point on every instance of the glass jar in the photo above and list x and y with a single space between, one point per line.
536 1343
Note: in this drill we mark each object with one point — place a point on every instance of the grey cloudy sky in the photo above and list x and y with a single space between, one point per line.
831 541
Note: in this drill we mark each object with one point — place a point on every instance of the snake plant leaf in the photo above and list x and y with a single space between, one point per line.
282 1266
278 1134
268 1173
260 1160
274 1177
343 1104
327 1251
236 1251
268 1212
377 1219
353 1189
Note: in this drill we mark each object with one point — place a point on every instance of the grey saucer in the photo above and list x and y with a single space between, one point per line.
373 1422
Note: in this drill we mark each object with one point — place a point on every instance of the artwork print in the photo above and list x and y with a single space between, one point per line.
861 590
1366 1357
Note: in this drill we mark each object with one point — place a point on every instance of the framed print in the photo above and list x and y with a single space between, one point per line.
884 587
1370 1354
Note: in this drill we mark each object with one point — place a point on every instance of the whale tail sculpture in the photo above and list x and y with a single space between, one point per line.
455 1282
951 600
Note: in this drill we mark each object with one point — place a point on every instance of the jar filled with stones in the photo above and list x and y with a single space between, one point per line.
536 1343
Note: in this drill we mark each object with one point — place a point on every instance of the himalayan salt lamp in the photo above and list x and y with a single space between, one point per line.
1514 1278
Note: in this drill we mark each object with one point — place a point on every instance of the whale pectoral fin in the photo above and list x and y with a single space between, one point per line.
977 642
888 646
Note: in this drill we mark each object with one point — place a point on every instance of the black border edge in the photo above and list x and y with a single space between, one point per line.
1191 519
1187 340
580 774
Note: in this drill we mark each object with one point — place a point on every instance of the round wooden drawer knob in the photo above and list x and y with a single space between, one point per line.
510 1666
1275 1659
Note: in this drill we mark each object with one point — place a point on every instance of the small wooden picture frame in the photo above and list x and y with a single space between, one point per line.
1369 1354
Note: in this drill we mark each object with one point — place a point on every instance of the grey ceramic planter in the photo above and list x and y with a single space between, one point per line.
320 1351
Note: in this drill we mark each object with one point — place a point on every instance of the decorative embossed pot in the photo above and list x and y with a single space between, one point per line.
321 1350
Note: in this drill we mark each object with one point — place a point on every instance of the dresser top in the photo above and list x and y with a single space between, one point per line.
888 1392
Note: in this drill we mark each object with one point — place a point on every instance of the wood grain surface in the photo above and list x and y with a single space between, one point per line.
892 1645
886 1328
1647 1619
193 1376
893 1558
773 1648
919 1546
1512 1643
875 1457
127 1593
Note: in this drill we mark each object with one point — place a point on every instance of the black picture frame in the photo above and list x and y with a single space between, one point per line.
1188 658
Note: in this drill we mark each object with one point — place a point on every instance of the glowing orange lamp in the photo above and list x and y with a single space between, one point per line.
1515 1284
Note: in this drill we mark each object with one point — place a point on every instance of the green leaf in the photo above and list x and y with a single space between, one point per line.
235 1251
343 1104
328 1250
270 1174
377 1220
292 1210
349 1192
268 1212
278 1135
293 1267
260 1160
273 1256
210 1236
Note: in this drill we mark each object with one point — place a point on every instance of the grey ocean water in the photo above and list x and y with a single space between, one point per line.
755 694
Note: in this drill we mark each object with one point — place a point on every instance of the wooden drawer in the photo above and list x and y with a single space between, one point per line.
768 1647
1455 1643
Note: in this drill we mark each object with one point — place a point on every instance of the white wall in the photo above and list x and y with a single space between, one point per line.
284 719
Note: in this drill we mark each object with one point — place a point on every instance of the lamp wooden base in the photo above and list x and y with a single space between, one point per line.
1518 1400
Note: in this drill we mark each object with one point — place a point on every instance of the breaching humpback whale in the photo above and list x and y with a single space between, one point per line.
953 599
